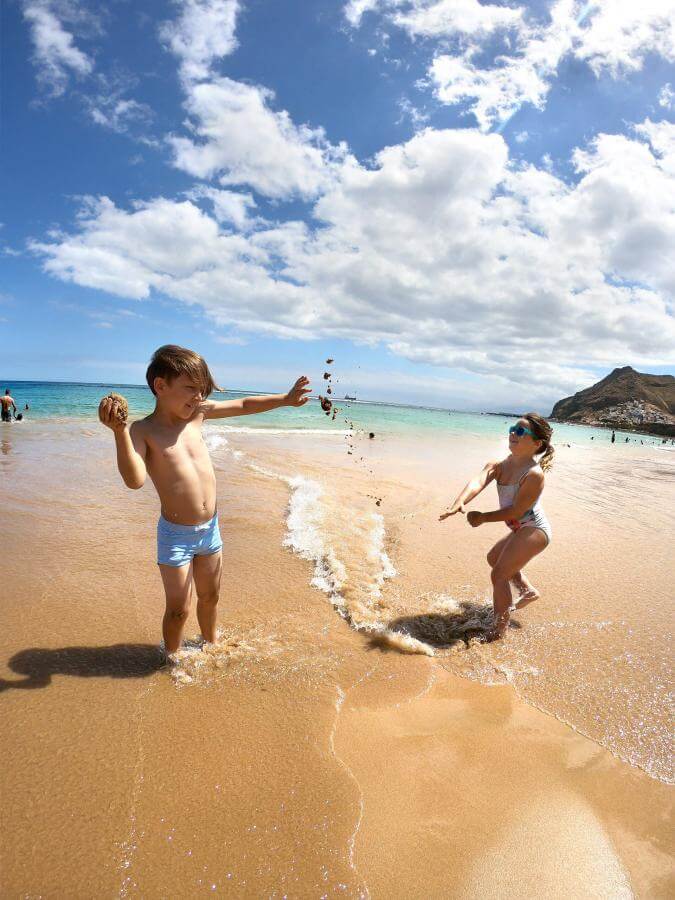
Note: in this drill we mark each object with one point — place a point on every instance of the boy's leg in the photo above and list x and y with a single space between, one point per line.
206 573
177 582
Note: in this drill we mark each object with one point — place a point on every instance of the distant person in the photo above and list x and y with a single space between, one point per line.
168 445
26 406
627 439
520 482
8 405
613 436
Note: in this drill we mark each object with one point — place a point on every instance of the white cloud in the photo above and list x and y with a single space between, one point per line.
497 91
355 9
667 97
238 138
443 249
661 135
54 51
234 135
433 18
117 113
612 37
621 33
203 32
228 206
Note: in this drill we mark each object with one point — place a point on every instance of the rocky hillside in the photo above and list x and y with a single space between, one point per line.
625 399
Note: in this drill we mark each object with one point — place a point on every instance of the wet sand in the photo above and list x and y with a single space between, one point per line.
302 757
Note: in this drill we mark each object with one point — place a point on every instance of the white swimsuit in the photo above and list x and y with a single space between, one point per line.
535 517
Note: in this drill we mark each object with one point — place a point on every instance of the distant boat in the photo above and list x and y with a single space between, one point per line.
347 397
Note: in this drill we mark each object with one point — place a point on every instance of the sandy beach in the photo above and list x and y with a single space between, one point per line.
349 735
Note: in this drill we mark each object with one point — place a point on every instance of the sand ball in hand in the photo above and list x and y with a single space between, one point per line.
122 406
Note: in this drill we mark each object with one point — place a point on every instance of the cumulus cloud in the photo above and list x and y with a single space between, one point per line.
55 53
203 33
621 33
238 138
234 134
228 206
612 37
667 97
443 249
429 18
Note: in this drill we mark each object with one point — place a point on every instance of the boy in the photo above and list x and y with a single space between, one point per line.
168 446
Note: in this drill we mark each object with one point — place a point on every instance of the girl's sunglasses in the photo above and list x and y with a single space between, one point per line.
520 430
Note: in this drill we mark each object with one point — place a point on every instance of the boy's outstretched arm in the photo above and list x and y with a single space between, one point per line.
471 489
246 406
131 446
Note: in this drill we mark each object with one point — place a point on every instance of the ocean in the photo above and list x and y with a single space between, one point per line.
58 400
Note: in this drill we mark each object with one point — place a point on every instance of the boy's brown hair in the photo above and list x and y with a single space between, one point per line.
171 361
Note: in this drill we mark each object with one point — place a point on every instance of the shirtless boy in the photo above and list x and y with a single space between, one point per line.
168 446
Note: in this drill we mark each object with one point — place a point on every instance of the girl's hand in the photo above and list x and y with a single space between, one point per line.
109 416
457 508
474 518
299 393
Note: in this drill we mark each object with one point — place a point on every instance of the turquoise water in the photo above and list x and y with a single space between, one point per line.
56 400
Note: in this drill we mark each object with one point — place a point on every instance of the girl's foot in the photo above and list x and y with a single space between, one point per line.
494 634
526 597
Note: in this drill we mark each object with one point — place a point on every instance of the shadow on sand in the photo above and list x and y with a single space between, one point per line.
444 630
39 665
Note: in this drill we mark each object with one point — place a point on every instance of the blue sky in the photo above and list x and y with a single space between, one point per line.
465 204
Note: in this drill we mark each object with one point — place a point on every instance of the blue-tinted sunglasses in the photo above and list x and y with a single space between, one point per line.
520 430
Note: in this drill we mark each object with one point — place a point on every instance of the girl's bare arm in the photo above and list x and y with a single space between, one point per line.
472 489
527 496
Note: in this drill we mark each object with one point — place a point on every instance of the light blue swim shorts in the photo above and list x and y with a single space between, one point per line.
177 544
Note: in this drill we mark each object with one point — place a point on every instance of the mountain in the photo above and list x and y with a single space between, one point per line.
625 399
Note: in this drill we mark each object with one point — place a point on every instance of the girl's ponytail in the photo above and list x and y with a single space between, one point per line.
544 433
547 459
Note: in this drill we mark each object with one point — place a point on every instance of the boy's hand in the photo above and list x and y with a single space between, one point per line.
474 518
299 393
457 508
109 416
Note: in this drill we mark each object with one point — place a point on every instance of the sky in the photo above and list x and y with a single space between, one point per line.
465 204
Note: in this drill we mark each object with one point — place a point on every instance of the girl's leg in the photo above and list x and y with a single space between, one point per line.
207 571
495 552
526 591
177 582
524 544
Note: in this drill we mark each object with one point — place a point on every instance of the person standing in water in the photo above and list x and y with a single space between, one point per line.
520 481
168 446
7 401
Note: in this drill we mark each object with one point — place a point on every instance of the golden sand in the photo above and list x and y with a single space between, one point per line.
303 756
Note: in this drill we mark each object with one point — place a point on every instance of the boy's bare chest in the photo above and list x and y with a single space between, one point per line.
172 450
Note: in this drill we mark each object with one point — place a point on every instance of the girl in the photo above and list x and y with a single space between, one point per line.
520 481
